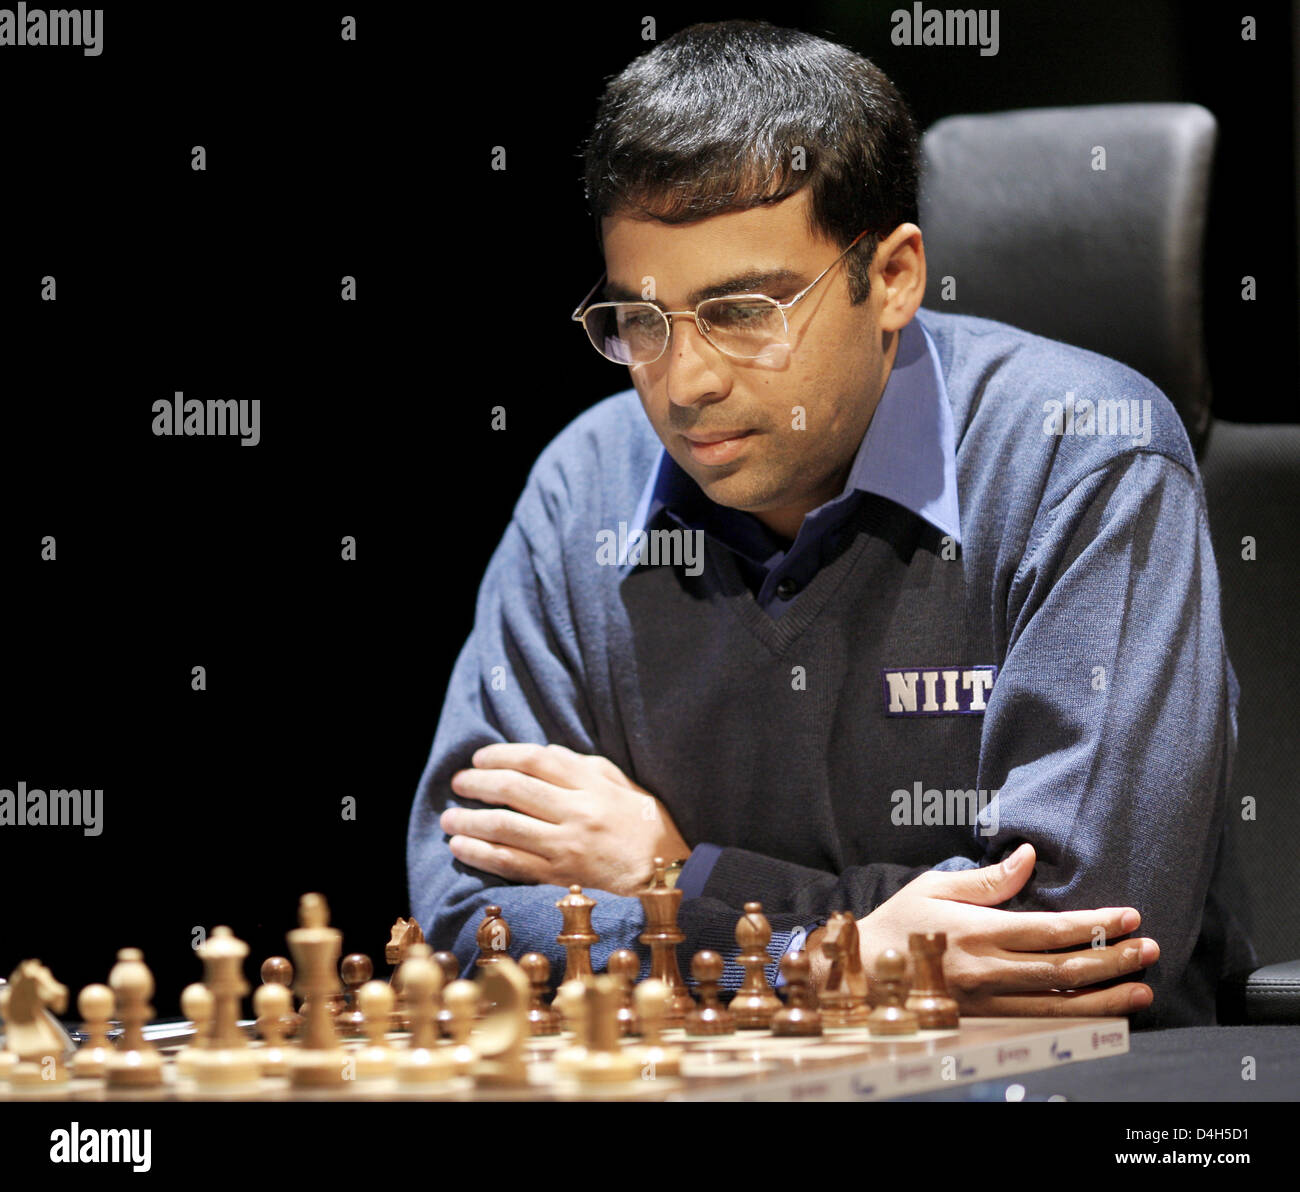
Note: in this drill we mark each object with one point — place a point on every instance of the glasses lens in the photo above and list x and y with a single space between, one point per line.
743 327
627 332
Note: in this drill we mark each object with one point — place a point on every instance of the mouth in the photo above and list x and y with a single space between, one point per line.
720 447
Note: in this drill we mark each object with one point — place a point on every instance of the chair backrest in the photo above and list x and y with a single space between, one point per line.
1083 224
1252 491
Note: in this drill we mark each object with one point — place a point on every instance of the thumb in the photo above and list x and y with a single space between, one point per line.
992 884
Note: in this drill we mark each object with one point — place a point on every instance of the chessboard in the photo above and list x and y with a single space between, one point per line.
428 1034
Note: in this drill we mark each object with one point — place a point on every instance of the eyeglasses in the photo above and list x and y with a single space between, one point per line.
741 325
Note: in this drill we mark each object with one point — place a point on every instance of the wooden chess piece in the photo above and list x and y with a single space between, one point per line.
492 937
355 970
227 1061
890 1017
710 1017
374 1000
461 1000
33 1035
605 1062
277 970
136 1062
571 1002
319 1060
660 902
196 1005
273 1004
95 1004
577 937
799 1016
844 1000
423 1062
655 1059
755 1003
623 966
450 965
504 1029
402 935
929 999
542 1019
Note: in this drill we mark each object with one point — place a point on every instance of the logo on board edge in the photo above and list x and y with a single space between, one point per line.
937 691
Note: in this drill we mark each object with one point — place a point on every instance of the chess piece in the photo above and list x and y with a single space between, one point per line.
461 999
374 1001
710 1017
799 1016
196 1005
929 1000
136 1062
542 1019
605 1062
504 1028
755 1003
577 937
95 1004
319 1060
844 1000
423 1062
571 1002
276 970
655 1059
273 1005
890 1017
355 970
662 935
32 1033
623 967
227 1060
450 965
402 935
492 937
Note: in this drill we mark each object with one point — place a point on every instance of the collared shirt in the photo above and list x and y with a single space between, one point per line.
907 454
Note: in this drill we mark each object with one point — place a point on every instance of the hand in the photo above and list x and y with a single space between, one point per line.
996 962
559 817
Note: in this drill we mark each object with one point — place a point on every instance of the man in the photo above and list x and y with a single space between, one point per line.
889 643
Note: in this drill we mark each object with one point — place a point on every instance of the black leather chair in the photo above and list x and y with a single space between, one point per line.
1019 226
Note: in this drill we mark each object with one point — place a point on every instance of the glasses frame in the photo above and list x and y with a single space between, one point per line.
581 311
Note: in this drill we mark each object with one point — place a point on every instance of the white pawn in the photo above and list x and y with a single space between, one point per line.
196 1005
95 1003
273 1004
461 999
423 1062
376 1059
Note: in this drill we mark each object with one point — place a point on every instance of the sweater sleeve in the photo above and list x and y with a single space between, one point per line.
520 678
1109 733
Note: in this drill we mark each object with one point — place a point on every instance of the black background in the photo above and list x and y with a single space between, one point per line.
372 159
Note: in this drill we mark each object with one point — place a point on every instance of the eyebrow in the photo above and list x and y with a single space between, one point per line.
757 281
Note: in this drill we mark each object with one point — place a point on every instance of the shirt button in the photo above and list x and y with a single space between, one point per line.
787 588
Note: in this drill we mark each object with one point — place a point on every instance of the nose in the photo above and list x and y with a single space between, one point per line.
692 365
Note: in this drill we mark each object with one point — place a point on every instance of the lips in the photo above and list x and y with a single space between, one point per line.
718 448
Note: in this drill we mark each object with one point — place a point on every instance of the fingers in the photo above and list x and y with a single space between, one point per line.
551 763
501 826
1038 931
1116 1001
1015 973
510 788
503 860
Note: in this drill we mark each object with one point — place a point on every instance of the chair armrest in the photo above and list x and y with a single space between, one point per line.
1268 995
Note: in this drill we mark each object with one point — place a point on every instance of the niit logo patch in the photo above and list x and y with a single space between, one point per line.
937 691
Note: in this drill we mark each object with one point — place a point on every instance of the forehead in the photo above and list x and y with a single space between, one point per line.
683 258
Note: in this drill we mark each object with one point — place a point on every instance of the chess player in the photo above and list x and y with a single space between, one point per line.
831 608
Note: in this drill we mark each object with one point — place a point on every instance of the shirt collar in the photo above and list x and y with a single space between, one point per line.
907 455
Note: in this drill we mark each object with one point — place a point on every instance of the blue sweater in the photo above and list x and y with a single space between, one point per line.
1012 609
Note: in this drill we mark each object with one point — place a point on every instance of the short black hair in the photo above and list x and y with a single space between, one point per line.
710 119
